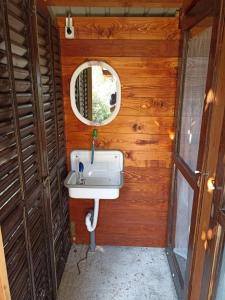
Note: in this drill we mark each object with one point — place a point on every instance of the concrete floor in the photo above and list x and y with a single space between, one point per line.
117 273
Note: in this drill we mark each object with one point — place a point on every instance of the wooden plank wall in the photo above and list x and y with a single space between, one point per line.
116 3
144 52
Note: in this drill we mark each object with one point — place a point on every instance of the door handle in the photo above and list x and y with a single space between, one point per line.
200 175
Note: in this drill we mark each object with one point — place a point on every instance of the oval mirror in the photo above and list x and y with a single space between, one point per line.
95 93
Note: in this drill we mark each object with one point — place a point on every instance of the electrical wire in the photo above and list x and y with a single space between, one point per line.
82 259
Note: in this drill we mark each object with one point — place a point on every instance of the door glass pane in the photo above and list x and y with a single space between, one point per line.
184 194
194 93
220 294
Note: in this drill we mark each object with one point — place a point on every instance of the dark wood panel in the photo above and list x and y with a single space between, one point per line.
160 67
116 3
126 142
133 224
141 89
121 48
141 159
143 81
187 5
143 130
132 28
145 106
127 124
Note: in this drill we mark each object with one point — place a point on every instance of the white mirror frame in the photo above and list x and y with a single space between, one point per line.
72 92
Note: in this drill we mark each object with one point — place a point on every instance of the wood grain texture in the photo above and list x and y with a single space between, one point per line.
132 28
143 129
116 3
121 48
154 67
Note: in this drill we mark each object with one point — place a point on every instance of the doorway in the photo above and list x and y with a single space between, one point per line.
201 28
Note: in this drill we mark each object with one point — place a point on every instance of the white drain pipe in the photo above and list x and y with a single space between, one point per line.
92 225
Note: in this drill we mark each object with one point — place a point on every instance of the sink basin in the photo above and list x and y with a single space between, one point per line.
102 179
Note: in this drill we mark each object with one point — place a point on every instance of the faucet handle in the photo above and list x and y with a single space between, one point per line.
94 133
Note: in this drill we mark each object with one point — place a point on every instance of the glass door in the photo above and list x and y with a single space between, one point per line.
213 286
186 178
220 286
191 141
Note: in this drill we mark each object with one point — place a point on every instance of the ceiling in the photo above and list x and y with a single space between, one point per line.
56 11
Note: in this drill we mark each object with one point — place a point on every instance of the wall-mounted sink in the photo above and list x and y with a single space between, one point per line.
101 180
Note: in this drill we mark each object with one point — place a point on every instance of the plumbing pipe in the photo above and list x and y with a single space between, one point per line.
92 225
92 241
92 245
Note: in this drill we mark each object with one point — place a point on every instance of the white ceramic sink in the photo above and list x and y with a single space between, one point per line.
102 179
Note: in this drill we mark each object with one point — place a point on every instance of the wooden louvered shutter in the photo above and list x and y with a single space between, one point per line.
11 207
34 215
57 72
42 69
62 230
30 156
53 144
22 210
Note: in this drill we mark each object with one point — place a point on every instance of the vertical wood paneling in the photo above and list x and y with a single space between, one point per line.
144 52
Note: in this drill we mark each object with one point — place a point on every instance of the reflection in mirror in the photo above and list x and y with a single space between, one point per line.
95 93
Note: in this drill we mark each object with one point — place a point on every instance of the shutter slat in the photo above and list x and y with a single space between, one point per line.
16 23
16 37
